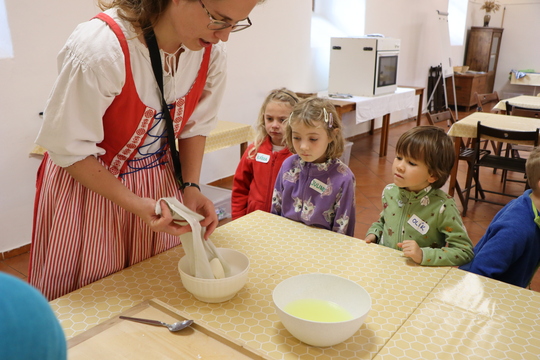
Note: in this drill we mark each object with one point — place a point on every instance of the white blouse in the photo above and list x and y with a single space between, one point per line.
92 72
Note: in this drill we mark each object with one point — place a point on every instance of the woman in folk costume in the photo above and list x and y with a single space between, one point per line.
108 160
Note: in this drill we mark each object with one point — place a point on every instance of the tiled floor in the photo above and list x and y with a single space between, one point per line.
16 266
372 174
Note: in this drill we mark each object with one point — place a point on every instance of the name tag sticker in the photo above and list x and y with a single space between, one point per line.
263 158
420 225
318 186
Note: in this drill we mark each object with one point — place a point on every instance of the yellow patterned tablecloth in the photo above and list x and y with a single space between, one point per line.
470 317
278 248
526 101
466 127
225 134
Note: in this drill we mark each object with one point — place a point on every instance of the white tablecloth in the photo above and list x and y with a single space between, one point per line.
369 108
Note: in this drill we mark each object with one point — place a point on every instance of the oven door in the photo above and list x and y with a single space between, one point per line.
386 72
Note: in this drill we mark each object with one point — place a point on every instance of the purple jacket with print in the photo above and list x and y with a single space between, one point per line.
320 195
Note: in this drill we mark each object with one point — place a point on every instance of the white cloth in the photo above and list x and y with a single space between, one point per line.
92 72
371 107
199 252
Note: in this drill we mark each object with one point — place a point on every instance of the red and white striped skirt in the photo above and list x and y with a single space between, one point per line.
80 237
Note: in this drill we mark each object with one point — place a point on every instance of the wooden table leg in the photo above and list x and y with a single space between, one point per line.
243 148
453 173
420 93
384 135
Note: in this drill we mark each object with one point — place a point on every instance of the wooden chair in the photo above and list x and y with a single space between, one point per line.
486 102
521 111
515 149
497 161
465 153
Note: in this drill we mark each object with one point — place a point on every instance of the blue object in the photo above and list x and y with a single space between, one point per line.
509 251
28 327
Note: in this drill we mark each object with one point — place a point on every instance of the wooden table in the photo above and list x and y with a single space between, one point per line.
344 106
277 248
228 133
470 317
224 135
466 128
411 303
526 101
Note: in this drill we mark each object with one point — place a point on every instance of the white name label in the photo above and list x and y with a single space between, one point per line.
318 186
263 158
420 225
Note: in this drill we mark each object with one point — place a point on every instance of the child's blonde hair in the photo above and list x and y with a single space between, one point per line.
280 95
431 145
315 112
532 168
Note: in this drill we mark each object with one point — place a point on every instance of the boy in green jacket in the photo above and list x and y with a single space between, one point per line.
417 216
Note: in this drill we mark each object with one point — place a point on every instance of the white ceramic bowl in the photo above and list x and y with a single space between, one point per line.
217 290
343 292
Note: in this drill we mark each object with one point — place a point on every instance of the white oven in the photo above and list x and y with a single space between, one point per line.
363 66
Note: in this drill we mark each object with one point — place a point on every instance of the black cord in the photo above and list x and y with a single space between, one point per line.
155 58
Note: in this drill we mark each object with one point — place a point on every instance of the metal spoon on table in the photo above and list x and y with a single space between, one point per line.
177 326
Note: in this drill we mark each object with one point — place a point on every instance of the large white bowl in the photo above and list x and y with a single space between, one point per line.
346 293
217 290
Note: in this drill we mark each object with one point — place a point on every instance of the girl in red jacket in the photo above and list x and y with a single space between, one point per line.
256 173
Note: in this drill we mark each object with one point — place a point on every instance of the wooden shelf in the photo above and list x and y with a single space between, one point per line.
482 52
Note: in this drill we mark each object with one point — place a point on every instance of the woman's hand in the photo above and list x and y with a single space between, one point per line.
411 249
199 203
371 238
146 210
90 173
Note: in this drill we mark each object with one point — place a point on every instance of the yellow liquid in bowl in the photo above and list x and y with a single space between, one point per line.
317 310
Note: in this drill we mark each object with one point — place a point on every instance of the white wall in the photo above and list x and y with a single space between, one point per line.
38 30
422 45
520 44
275 52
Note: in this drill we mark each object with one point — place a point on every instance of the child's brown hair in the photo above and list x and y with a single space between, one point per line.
431 145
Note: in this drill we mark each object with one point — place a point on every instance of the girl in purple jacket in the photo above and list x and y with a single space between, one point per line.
314 186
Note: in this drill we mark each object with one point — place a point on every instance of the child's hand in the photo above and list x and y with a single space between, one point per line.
371 238
412 250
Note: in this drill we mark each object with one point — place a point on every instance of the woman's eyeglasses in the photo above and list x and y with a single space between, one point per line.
221 25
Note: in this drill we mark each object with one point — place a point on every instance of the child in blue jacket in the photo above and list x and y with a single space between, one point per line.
509 251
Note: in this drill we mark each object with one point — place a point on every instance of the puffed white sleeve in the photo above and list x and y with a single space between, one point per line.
91 74
204 118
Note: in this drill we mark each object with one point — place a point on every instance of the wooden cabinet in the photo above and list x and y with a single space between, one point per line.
482 52
466 86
